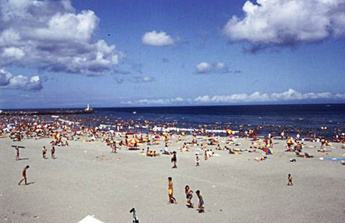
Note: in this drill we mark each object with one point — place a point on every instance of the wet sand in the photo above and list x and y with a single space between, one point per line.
86 179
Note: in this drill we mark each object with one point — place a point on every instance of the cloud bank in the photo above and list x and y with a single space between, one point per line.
20 82
287 22
256 97
155 38
50 35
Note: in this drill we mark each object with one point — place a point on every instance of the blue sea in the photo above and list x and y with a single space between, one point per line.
321 119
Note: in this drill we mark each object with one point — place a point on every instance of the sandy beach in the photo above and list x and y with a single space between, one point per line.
86 179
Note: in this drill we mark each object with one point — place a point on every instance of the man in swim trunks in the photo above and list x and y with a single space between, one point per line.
201 208
24 176
172 199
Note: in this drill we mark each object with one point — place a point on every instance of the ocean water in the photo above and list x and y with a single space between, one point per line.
311 118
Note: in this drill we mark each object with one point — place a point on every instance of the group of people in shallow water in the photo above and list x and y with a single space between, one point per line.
189 196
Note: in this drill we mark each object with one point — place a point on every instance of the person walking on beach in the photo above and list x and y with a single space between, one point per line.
17 153
197 160
201 208
24 176
53 152
174 160
189 196
172 199
44 152
205 154
289 180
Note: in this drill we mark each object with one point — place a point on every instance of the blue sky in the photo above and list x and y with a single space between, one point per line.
162 53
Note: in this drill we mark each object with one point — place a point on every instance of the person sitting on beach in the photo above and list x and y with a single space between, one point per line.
201 208
24 176
189 196
155 154
218 147
166 151
148 152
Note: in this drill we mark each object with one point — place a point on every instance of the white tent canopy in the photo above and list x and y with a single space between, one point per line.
90 219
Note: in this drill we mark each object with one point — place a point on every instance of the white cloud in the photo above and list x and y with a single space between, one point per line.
157 101
51 35
205 67
286 22
289 95
20 82
256 97
155 38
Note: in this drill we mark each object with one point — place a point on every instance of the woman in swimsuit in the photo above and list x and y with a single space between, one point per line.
189 196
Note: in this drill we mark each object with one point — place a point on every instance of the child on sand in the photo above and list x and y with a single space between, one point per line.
172 199
24 176
201 208
289 180
53 152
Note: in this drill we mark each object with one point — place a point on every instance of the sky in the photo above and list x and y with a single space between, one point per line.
124 53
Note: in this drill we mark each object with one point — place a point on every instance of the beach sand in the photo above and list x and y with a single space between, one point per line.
86 179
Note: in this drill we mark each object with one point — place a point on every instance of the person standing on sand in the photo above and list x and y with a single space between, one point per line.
289 180
172 199
44 152
174 160
201 208
197 160
24 176
189 196
205 154
53 152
